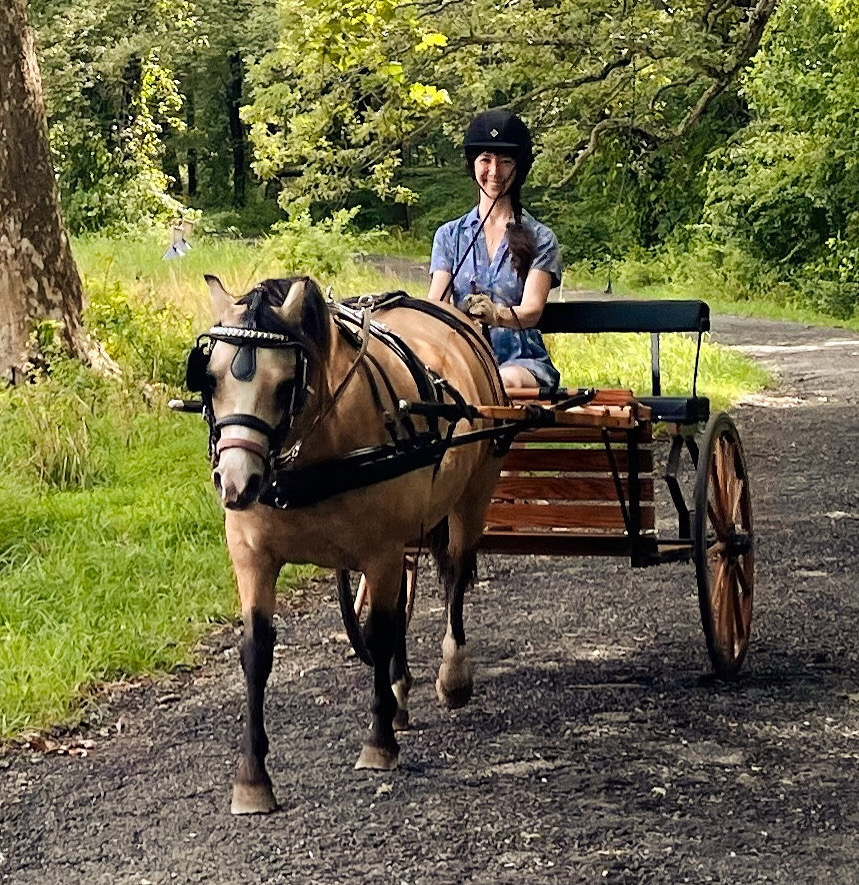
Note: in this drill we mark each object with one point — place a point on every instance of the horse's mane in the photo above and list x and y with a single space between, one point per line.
313 331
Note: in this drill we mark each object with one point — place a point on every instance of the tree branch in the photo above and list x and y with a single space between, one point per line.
758 19
575 83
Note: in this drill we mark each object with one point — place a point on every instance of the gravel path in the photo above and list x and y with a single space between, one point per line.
596 748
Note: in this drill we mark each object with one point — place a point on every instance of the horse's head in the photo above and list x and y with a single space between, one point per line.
252 369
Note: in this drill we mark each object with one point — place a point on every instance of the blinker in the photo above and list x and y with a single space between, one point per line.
195 369
244 365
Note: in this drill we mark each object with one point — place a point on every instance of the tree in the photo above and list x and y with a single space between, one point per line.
352 83
784 194
111 96
38 276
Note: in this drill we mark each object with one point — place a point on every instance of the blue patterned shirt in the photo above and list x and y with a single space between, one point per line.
501 282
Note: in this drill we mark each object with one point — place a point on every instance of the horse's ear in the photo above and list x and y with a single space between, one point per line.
222 301
293 304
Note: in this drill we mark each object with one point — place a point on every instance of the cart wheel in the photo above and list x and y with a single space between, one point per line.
724 545
352 604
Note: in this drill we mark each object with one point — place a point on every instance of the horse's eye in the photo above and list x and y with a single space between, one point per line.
211 382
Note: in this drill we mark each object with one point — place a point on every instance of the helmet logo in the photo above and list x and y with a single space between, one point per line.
494 133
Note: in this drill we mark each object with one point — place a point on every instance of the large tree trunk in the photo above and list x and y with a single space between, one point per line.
238 136
38 276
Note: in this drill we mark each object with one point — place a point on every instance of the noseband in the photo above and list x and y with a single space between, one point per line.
243 368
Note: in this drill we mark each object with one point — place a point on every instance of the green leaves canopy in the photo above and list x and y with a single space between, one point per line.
352 87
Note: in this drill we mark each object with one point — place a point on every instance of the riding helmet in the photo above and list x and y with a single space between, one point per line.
501 132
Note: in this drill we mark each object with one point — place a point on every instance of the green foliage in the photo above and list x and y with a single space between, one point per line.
322 249
149 341
109 99
780 210
352 90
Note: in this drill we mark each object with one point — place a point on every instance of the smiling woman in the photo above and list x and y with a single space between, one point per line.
497 263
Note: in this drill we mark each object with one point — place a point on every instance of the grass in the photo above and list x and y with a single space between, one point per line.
112 560
136 266
623 360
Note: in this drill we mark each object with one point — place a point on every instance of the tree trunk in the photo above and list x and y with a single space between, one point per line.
38 276
238 136
191 121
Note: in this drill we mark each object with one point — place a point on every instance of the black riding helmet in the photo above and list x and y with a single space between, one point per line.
499 132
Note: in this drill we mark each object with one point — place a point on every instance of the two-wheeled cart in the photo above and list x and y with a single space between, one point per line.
585 483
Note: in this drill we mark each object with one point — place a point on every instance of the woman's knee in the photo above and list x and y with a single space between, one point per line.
517 377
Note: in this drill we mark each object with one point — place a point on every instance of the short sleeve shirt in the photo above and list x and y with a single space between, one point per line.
500 281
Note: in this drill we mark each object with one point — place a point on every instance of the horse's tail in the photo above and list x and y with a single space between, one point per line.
452 571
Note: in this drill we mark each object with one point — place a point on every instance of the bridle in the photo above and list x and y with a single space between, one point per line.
243 368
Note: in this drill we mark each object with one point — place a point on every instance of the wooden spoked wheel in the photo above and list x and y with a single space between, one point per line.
353 605
724 545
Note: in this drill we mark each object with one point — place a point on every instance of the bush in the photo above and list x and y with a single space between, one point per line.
64 427
323 248
149 341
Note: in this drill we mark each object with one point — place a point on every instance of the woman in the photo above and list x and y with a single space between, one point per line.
497 261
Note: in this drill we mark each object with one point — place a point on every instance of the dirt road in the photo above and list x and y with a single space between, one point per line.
596 748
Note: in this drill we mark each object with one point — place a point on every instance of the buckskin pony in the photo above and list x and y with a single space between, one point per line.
333 437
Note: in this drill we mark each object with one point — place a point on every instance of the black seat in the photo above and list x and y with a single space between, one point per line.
677 409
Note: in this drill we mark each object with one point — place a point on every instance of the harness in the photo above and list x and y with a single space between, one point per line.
288 485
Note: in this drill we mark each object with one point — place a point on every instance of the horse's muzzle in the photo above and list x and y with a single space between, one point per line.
234 497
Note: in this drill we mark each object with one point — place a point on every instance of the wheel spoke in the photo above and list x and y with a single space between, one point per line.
719 526
726 489
715 503
743 580
723 609
737 608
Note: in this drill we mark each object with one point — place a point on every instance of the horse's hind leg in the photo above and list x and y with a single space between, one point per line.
401 677
381 636
457 569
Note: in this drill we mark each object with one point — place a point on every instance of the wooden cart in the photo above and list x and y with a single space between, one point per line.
586 485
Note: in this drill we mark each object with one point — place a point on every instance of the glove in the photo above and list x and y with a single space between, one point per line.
480 306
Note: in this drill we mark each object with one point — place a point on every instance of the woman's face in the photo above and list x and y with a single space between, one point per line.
494 172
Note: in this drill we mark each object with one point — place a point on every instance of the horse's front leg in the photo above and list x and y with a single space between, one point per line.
401 677
252 788
384 625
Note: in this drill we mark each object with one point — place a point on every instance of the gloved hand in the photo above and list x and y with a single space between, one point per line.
479 306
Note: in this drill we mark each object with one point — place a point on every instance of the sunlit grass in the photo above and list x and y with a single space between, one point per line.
111 581
137 266
623 360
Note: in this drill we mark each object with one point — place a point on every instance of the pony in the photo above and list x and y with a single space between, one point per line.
333 437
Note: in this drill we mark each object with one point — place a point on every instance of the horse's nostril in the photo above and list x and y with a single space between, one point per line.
216 479
254 487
